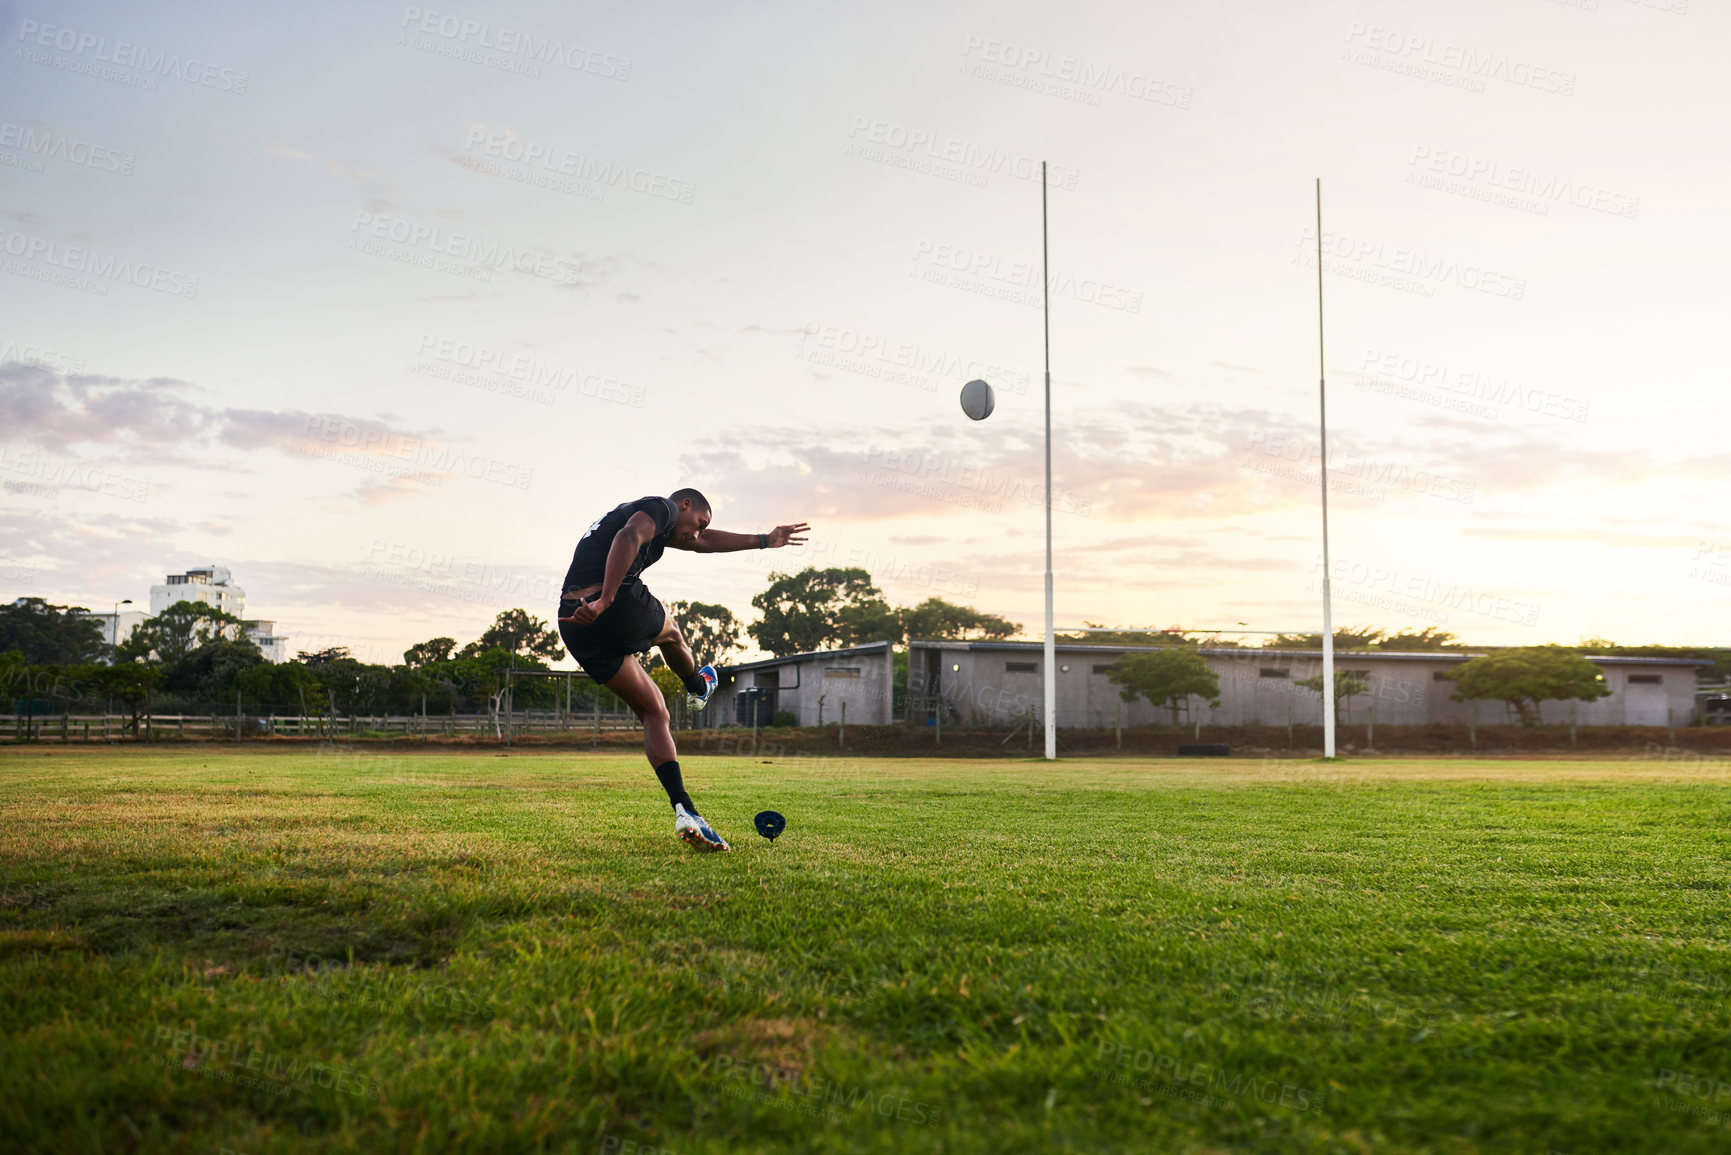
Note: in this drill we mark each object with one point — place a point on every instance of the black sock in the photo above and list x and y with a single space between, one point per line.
668 772
695 683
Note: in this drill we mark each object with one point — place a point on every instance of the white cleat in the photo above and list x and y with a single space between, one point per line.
696 832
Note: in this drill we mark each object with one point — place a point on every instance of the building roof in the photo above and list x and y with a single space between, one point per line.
766 663
1249 652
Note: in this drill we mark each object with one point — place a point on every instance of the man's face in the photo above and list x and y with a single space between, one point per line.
691 522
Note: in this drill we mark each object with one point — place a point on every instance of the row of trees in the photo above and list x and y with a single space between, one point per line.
820 609
1520 678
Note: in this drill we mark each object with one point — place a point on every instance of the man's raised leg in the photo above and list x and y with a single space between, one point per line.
640 692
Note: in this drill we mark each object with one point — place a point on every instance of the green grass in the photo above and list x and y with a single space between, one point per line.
357 952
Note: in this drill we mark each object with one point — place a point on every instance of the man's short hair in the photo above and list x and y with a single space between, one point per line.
698 502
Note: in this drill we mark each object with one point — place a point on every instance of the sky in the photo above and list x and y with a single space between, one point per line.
382 305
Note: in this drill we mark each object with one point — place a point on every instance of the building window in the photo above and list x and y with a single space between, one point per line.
1020 667
1268 672
1102 669
1645 679
1441 676
842 672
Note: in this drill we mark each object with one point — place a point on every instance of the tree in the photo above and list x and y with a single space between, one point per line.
316 658
287 686
518 632
129 683
815 609
667 682
1100 636
711 631
429 652
937 620
1165 677
1346 688
49 635
1523 678
1348 638
1429 639
209 670
177 631
355 687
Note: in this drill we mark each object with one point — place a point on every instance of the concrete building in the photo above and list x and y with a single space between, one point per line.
213 585
261 633
812 686
998 683
116 628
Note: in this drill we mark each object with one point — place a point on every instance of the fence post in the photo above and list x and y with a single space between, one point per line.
237 715
1120 726
1671 724
1370 729
841 733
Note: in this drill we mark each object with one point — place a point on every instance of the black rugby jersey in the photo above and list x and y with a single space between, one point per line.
589 561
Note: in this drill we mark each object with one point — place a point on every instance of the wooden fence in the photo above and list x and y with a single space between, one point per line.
116 727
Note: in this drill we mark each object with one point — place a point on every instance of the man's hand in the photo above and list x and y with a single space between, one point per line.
787 535
588 611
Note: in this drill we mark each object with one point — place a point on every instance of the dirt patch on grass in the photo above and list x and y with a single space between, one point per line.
783 1047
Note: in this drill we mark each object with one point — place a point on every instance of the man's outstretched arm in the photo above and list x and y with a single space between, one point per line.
723 541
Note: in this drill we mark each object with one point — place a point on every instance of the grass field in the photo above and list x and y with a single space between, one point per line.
204 950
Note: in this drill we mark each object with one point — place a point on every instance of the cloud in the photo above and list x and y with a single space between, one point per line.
149 419
1145 461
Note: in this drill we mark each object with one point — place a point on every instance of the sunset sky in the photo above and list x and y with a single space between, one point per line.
381 305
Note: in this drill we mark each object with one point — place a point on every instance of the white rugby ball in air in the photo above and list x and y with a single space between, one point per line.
978 400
